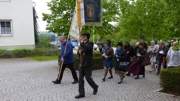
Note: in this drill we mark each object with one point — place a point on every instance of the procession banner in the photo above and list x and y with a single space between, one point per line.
93 12
80 13
74 29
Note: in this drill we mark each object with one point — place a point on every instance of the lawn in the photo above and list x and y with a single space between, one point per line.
44 58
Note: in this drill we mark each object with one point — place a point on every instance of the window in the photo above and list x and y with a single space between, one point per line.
5 28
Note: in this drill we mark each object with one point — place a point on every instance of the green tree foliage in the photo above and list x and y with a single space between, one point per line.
59 20
62 12
149 19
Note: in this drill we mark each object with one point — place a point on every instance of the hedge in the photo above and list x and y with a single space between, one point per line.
26 52
170 80
97 61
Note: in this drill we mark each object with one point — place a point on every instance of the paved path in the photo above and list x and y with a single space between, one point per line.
28 80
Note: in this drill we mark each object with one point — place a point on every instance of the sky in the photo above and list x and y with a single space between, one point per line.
41 7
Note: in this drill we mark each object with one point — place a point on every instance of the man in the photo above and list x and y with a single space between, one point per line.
85 69
100 44
67 59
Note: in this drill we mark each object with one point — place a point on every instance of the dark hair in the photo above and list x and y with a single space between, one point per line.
108 42
86 34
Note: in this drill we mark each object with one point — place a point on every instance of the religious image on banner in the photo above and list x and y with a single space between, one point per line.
92 10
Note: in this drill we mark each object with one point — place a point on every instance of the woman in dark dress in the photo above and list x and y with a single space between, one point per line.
136 67
121 56
129 51
107 55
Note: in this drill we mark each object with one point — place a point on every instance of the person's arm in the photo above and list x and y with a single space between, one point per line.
67 50
168 54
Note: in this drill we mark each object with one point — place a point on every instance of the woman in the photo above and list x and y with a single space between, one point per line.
173 56
152 55
107 55
161 56
129 51
136 67
121 56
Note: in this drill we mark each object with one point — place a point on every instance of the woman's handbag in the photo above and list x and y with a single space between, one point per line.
123 66
146 62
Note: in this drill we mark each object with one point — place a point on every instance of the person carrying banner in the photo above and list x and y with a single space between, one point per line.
67 60
85 69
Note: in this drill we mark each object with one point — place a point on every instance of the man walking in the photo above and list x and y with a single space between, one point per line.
85 69
67 59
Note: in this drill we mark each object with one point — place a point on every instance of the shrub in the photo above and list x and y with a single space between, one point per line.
6 55
97 61
25 52
170 80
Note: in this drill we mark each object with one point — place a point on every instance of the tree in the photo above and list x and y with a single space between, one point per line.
149 19
59 20
35 26
62 12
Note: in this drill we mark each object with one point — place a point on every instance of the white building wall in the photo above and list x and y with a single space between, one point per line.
21 14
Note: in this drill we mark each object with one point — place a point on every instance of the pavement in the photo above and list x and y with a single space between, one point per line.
28 80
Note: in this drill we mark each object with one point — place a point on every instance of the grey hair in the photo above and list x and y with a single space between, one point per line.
62 37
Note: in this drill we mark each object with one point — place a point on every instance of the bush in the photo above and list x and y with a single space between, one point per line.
97 61
25 52
170 80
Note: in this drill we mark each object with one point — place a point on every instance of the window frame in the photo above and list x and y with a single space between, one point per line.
6 20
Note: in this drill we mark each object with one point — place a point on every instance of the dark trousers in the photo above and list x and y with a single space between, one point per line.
86 72
71 67
160 61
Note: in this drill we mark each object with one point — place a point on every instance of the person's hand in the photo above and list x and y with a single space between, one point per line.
127 52
106 56
138 54
62 59
80 51
103 55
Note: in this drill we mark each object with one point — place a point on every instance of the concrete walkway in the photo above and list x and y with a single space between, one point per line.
28 80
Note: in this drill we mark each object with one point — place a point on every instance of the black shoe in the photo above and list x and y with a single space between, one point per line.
120 82
137 78
103 80
128 74
74 82
57 82
110 77
95 90
79 96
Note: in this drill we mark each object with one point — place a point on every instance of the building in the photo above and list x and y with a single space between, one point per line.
16 24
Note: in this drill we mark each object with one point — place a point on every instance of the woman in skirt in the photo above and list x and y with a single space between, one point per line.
107 55
121 56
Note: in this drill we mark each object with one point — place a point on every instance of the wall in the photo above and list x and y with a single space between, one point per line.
21 14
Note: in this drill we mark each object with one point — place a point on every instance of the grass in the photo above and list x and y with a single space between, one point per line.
44 58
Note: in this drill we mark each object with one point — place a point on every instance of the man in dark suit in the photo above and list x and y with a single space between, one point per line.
85 68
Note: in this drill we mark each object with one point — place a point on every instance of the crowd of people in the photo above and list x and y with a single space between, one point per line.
132 60
125 59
